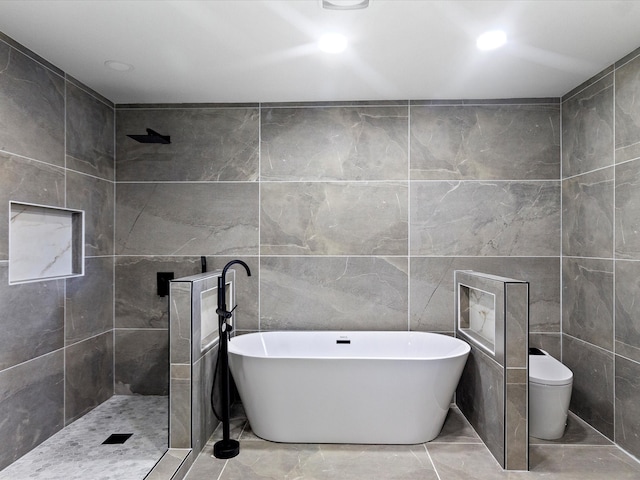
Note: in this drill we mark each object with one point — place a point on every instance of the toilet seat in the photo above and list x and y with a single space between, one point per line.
546 370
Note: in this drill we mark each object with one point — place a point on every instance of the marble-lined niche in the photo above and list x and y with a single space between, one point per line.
477 315
45 243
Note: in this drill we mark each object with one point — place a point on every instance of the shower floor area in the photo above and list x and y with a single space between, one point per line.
77 452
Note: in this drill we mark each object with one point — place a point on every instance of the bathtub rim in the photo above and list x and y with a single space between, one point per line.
461 348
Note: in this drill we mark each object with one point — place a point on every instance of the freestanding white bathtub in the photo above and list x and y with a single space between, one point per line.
346 387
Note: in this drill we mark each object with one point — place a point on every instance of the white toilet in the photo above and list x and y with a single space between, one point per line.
550 385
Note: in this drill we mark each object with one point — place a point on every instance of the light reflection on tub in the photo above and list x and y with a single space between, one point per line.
346 387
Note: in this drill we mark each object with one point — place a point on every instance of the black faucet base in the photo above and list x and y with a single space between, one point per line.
226 448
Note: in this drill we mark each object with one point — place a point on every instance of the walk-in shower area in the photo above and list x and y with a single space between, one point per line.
121 439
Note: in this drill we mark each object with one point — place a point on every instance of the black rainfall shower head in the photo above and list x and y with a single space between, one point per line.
151 137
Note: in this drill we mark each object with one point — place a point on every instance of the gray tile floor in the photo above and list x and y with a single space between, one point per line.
457 454
76 452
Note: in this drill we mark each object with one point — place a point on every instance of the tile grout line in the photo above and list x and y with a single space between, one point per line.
431 460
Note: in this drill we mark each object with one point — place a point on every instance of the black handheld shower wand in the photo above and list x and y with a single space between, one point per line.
225 448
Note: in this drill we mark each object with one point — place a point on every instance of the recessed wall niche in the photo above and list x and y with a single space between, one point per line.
477 316
44 243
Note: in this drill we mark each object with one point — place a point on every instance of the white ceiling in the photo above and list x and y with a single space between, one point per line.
265 50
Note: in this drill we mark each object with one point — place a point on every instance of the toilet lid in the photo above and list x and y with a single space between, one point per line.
546 370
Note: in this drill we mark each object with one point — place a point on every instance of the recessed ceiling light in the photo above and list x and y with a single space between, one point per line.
118 66
491 40
345 4
332 43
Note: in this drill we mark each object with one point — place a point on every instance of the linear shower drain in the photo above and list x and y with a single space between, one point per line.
116 438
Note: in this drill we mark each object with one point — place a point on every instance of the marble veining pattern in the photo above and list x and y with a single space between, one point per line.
207 144
587 214
97 198
587 129
485 142
33 108
592 397
627 286
587 300
342 293
32 316
323 218
627 110
77 453
485 218
90 124
141 362
627 210
332 143
627 407
159 219
89 301
88 375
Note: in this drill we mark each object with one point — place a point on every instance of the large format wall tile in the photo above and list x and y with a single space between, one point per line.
627 405
141 362
96 198
587 214
88 375
506 142
45 187
32 113
334 218
32 394
340 293
32 319
334 143
627 210
90 124
587 300
627 116
485 218
592 394
627 309
432 289
207 144
587 129
89 301
187 219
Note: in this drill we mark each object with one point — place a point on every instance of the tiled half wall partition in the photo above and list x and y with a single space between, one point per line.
492 315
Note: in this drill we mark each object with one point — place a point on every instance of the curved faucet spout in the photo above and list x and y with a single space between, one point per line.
233 262
223 313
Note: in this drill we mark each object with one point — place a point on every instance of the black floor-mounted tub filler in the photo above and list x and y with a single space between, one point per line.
225 448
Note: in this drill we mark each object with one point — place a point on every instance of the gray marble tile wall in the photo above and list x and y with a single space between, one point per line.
56 351
600 248
356 214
